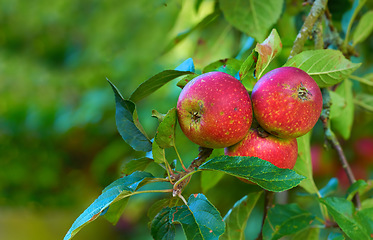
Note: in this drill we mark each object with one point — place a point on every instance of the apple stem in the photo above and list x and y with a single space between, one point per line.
332 139
268 203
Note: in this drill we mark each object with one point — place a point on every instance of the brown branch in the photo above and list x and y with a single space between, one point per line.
332 139
316 11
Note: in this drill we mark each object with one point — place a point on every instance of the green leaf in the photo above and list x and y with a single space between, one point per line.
326 66
342 211
365 218
254 169
127 123
343 123
310 233
366 79
209 179
199 219
253 17
267 51
160 204
136 165
283 220
354 188
236 218
181 36
363 29
184 80
158 153
154 83
119 189
303 166
165 136
364 101
247 71
227 65
338 104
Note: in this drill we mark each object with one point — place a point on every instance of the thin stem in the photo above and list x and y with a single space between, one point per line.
168 170
183 178
178 156
268 202
182 198
362 80
332 139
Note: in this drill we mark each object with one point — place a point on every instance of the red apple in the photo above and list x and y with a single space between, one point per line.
287 102
282 153
214 110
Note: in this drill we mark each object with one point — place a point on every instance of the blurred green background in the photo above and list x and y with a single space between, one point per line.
58 141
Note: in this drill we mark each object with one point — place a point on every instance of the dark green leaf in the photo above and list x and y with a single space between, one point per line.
326 66
136 165
267 51
254 169
227 65
209 179
160 204
336 236
363 29
247 71
342 211
253 17
343 123
283 220
236 218
354 188
162 227
165 136
303 166
183 81
127 123
181 36
154 83
119 189
187 65
330 188
200 220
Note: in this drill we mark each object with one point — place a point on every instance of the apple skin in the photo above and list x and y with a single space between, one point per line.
287 102
214 110
282 153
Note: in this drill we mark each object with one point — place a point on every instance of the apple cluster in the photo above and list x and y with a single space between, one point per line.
216 111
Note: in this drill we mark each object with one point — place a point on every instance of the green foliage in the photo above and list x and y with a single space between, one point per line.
199 219
327 67
254 169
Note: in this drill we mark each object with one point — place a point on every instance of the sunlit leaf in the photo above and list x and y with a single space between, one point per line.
364 28
165 136
227 65
343 123
199 219
283 220
247 71
236 218
154 83
343 212
339 103
253 17
119 189
254 169
354 188
267 51
158 153
127 123
303 166
326 66
136 165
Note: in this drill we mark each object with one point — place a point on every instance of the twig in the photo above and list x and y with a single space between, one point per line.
316 11
332 139
268 202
